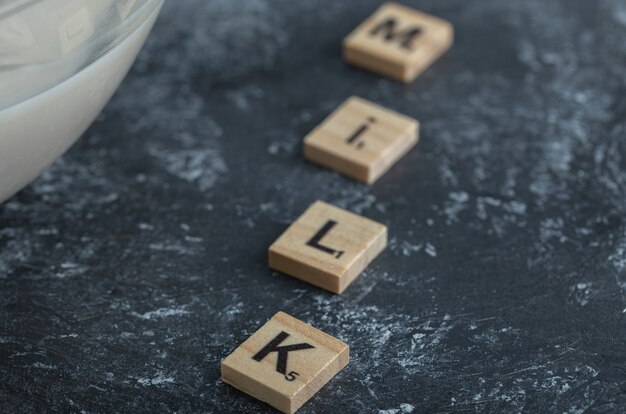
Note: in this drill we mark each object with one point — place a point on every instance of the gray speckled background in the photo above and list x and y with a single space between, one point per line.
138 260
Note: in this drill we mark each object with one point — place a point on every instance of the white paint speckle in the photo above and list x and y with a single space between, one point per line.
618 257
41 365
431 250
159 380
582 292
456 204
162 313
408 248
171 247
201 166
145 226
405 408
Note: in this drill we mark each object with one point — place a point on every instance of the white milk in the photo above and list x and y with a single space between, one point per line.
36 131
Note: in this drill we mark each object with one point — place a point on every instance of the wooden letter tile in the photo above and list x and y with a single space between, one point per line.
285 362
361 139
398 42
328 246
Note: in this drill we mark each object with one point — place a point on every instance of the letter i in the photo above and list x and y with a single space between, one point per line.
360 131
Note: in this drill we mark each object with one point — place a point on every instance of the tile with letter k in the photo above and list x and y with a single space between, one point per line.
285 362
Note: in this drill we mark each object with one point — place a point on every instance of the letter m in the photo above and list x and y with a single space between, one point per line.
389 29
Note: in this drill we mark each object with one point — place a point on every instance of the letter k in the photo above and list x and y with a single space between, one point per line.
283 351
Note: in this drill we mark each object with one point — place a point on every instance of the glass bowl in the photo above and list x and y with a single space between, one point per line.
60 62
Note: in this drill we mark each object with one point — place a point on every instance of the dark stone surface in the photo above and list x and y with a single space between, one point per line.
138 260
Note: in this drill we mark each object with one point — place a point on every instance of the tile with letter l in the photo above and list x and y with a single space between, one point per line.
361 139
328 246
285 362
398 42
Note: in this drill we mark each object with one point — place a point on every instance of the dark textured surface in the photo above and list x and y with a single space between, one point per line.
138 260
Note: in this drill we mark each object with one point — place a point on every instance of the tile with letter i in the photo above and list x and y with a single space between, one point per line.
361 139
398 42
285 362
328 246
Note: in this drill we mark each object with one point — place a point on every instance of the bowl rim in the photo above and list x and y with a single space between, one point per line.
106 40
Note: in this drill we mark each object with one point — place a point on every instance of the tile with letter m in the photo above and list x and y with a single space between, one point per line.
398 42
